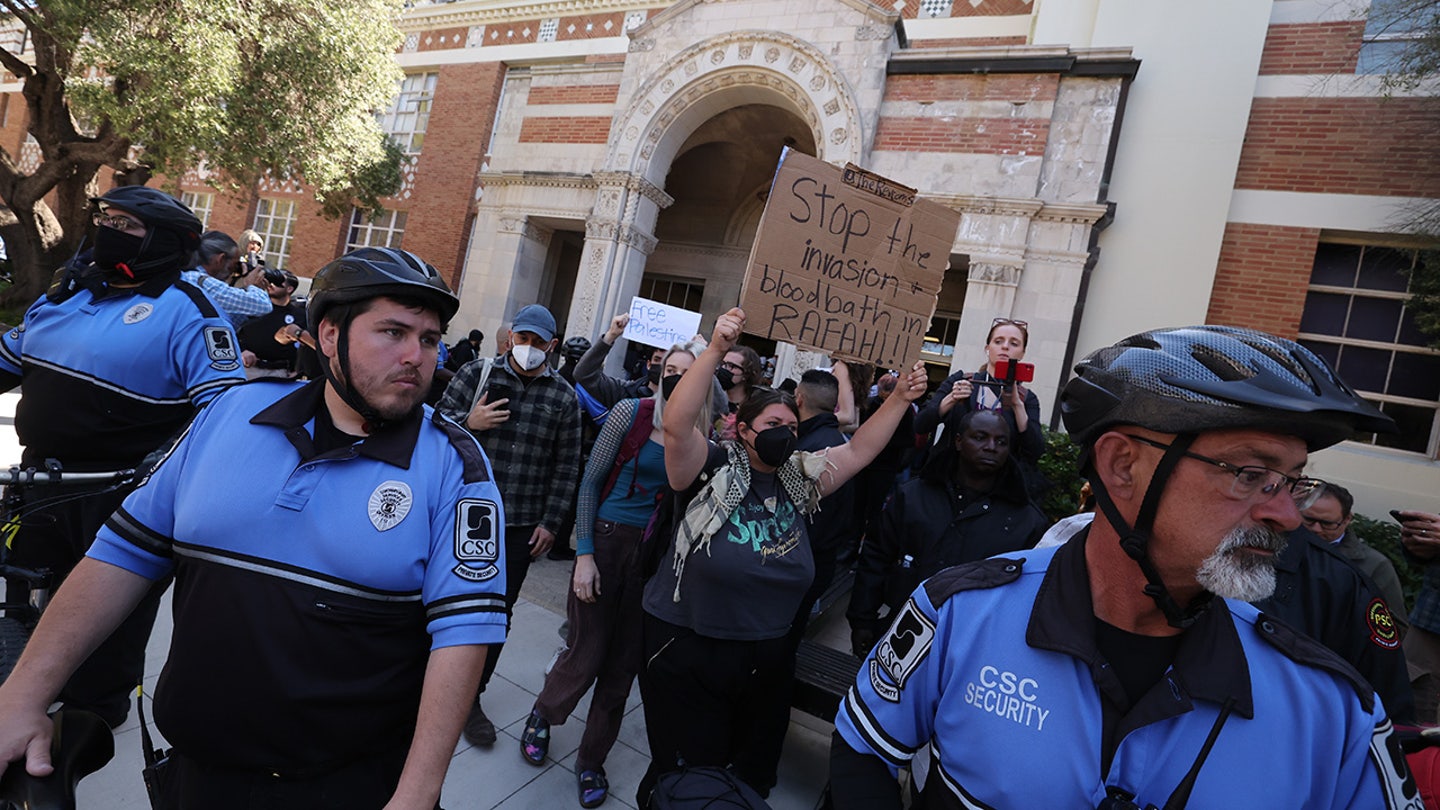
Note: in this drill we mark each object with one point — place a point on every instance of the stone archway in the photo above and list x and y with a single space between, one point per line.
699 82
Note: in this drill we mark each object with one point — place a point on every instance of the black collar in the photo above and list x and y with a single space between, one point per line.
393 444
1210 664
819 420
94 279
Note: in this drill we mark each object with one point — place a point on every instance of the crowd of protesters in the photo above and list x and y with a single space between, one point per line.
705 511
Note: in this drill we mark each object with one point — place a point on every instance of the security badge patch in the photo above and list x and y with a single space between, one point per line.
1384 632
900 652
389 504
220 346
477 539
137 313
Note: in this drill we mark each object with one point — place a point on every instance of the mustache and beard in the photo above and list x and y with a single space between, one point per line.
1234 572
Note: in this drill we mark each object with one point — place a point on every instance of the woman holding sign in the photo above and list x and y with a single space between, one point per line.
999 386
736 566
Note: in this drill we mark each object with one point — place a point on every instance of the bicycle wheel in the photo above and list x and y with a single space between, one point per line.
13 636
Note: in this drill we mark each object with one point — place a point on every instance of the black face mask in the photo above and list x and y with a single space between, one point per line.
726 378
775 445
114 248
652 374
667 385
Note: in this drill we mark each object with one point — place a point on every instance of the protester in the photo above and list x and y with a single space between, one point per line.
240 296
1420 535
618 495
736 566
1007 340
606 390
969 503
527 418
1126 663
875 482
465 351
332 608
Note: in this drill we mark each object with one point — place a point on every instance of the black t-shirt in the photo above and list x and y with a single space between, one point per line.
1138 661
258 335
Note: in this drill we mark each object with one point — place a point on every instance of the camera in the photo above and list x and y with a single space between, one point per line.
274 275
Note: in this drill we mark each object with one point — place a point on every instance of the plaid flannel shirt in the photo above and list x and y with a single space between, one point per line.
535 454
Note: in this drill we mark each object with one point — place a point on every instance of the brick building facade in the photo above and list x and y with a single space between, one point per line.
578 152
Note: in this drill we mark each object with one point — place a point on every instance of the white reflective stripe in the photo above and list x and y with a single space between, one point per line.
966 800
464 605
1396 781
224 382
293 576
873 735
109 386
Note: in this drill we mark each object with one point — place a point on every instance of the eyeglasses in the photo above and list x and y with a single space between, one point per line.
1009 322
117 222
1327 525
1251 481
735 368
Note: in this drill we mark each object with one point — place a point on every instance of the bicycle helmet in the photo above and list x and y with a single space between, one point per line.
173 229
359 276
575 347
1193 379
1198 378
372 272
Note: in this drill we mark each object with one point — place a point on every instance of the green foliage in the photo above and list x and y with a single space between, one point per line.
1060 467
1384 536
288 87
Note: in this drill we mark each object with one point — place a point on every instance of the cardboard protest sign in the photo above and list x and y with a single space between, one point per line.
846 262
660 325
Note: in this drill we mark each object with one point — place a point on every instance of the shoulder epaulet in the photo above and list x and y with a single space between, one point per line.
471 456
200 299
975 576
1302 649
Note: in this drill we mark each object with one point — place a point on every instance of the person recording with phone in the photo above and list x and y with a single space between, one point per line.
998 386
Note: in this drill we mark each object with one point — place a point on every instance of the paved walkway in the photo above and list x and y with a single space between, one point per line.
495 777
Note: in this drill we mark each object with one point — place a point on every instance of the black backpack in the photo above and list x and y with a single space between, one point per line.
707 788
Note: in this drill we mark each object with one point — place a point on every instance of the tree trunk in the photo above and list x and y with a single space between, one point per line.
39 242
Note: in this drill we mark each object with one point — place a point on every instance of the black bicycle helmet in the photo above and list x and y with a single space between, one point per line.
576 346
174 230
359 276
371 272
1193 379
1197 378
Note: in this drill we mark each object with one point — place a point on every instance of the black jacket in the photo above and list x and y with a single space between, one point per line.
924 520
1322 594
1029 446
834 525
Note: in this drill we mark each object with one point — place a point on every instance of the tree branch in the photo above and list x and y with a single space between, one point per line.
21 13
15 64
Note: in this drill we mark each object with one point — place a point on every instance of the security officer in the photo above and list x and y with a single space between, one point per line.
332 610
115 358
1124 664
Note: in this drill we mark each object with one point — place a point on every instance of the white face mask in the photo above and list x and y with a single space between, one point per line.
527 358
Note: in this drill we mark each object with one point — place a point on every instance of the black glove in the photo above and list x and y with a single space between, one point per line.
863 635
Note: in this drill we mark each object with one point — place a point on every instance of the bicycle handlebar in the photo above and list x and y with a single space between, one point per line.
30 475
82 745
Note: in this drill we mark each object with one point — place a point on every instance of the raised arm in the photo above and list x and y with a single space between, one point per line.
685 446
871 438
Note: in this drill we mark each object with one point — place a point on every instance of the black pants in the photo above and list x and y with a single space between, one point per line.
57 537
366 784
709 701
517 565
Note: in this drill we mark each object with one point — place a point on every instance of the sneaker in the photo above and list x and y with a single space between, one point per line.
478 728
535 739
594 788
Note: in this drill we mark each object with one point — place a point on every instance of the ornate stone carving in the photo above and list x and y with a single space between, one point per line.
691 68
817 83
797 64
872 32
772 53
838 136
717 56
994 273
746 49
832 106
642 45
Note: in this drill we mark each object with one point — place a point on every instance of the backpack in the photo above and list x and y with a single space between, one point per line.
635 438
707 788
670 505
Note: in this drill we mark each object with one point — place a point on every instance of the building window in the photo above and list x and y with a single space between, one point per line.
939 345
934 8
409 115
1392 27
201 202
673 291
1356 317
275 222
385 229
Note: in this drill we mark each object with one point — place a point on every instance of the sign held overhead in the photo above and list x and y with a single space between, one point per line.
660 325
846 262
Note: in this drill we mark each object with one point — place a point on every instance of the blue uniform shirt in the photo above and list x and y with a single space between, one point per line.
111 374
312 584
995 662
